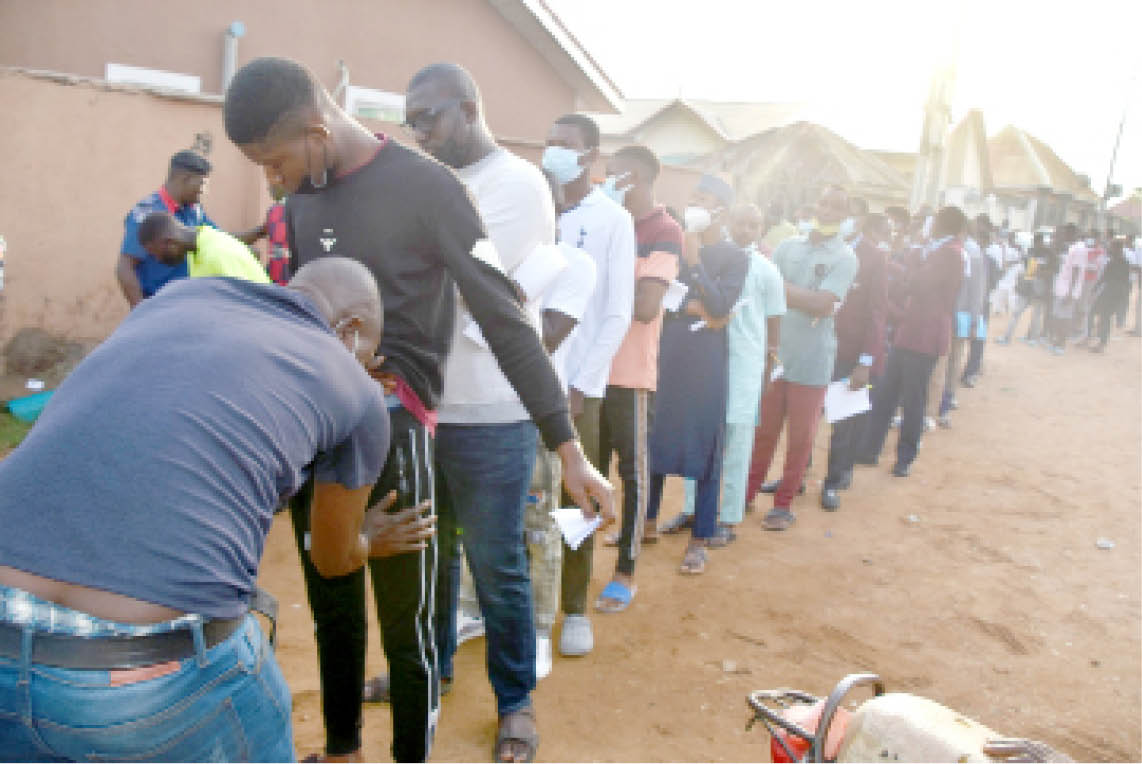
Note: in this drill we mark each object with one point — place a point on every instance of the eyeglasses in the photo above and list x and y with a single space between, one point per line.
424 120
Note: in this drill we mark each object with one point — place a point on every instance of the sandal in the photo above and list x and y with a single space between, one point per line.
680 523
516 731
615 598
694 561
722 537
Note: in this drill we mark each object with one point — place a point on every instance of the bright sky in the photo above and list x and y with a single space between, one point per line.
1064 72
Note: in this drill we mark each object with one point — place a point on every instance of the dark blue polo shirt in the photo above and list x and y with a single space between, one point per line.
151 273
156 469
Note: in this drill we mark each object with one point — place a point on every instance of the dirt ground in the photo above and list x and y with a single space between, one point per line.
995 601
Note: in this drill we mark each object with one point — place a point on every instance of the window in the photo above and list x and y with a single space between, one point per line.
137 75
374 104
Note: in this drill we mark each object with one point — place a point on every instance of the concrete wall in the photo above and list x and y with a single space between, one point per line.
76 159
382 43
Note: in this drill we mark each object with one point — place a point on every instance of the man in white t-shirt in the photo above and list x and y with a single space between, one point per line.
486 442
592 221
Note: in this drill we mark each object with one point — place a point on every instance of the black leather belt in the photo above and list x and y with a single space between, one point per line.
74 652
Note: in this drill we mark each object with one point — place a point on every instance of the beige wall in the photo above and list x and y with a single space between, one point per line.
76 159
382 42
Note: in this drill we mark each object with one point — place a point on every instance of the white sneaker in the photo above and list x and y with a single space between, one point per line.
929 424
895 423
468 627
542 655
577 637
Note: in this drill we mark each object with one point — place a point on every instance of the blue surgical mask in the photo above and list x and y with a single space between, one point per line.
611 188
563 163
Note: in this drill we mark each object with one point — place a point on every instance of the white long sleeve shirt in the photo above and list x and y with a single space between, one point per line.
605 230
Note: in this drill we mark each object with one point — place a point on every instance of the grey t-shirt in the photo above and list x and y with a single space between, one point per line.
155 470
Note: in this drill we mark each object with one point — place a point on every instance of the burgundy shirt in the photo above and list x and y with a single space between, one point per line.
928 299
860 321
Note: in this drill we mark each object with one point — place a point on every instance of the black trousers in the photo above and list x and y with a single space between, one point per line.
403 588
974 364
846 437
905 384
624 426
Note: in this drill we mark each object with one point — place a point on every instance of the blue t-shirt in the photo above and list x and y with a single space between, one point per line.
156 469
151 273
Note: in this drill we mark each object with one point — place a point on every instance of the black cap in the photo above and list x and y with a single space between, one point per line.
191 162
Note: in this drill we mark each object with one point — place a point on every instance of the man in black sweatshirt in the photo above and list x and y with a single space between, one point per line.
412 223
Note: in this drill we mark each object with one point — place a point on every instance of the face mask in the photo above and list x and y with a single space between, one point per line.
828 231
611 189
563 163
697 219
884 246
806 225
848 226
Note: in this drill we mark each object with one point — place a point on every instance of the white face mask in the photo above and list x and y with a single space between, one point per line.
696 219
356 349
848 226
563 163
806 226
612 189
884 246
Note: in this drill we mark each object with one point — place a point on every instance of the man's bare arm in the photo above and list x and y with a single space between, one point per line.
128 281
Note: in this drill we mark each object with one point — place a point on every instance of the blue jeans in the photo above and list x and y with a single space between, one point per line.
229 703
483 473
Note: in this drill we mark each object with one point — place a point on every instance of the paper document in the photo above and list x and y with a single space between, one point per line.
574 527
536 273
472 332
675 294
842 403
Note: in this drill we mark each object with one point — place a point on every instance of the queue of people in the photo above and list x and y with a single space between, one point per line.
455 342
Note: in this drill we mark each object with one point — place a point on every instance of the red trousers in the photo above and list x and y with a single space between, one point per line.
801 404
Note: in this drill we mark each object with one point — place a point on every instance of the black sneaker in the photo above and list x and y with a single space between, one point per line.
830 500
900 469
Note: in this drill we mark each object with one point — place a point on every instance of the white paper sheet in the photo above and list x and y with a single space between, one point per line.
842 403
472 332
539 270
675 294
574 527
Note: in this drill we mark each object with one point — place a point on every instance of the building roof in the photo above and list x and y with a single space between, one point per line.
808 154
1129 209
540 26
966 161
1020 160
732 121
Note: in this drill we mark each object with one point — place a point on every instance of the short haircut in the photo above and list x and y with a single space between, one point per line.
875 222
860 202
154 227
899 214
453 79
268 94
950 220
189 161
644 156
587 128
